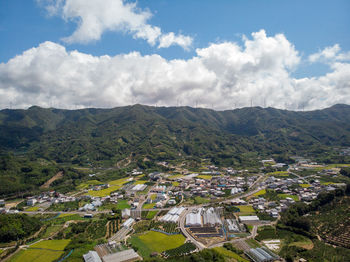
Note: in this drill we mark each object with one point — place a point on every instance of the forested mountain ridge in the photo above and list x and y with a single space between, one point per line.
160 133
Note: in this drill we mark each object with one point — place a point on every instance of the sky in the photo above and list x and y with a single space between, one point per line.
216 54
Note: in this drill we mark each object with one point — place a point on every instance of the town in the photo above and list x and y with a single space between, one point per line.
211 208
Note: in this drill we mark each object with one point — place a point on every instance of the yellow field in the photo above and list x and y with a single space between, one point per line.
153 196
140 182
304 185
31 209
278 173
175 176
261 192
104 192
89 183
148 206
207 177
175 183
120 182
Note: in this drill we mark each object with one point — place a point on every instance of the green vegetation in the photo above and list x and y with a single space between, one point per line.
304 185
230 254
207 177
284 196
246 209
151 214
103 192
17 226
200 200
43 251
181 250
34 208
122 204
155 242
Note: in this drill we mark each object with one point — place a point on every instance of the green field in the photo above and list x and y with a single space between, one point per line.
122 204
43 251
304 185
153 196
175 183
259 193
246 209
151 214
156 242
36 255
284 196
119 182
200 200
227 253
31 209
140 182
52 244
51 230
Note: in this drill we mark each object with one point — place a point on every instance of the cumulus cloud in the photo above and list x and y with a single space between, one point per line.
223 75
330 54
94 17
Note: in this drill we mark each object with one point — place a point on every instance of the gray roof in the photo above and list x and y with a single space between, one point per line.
125 255
92 256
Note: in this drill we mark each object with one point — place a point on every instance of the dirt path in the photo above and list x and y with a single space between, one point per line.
55 177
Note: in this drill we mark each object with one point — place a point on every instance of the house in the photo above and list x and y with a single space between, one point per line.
31 202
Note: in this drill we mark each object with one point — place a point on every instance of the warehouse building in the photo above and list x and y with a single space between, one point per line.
92 256
244 219
194 219
232 225
123 256
128 222
211 218
173 215
261 255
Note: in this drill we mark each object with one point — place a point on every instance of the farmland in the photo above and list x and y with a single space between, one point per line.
43 251
156 242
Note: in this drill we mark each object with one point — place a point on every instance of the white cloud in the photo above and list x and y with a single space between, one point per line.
222 74
94 17
330 54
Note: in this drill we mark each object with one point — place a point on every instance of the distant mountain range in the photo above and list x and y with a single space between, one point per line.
141 133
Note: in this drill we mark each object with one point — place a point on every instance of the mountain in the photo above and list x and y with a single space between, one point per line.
107 136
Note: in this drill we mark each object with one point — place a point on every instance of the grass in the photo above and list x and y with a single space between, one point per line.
122 204
32 209
284 196
307 244
43 251
200 200
207 177
304 185
65 215
51 230
246 209
148 206
230 254
151 214
259 193
153 241
175 183
36 255
52 244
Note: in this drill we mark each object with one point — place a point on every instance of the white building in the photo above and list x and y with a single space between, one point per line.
92 256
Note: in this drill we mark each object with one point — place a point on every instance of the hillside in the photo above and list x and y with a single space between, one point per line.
106 136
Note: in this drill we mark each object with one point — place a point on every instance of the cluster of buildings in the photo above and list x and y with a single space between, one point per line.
173 215
208 217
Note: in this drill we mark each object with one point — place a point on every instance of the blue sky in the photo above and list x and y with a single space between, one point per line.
309 26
